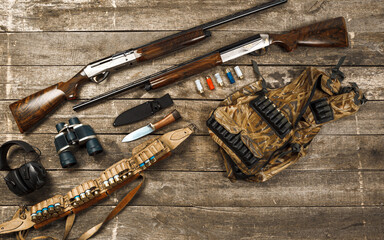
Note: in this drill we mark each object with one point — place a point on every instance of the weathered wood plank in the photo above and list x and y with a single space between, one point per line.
336 191
244 223
151 222
81 48
21 81
181 14
212 189
102 117
200 153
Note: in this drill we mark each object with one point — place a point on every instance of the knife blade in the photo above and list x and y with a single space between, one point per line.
143 131
143 111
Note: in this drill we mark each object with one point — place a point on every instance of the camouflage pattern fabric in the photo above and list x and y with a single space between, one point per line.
297 101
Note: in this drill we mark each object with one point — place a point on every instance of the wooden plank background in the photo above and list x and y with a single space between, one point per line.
336 192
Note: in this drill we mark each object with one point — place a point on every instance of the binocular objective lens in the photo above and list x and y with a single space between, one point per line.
67 159
93 147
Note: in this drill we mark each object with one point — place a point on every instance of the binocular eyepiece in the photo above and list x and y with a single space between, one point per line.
72 135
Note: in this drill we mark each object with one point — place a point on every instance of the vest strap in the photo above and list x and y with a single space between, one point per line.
336 73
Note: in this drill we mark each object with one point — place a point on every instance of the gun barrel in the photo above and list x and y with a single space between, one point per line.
241 14
140 82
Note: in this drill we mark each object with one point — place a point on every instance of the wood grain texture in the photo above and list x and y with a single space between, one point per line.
180 15
327 153
171 44
32 109
168 119
166 222
78 48
29 111
193 111
186 70
329 33
367 78
335 192
212 189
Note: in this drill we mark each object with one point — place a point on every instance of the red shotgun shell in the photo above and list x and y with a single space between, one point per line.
210 83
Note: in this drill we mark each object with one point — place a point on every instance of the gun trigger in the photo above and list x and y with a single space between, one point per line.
101 77
259 52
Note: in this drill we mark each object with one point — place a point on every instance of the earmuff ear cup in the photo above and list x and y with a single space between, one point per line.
16 184
28 177
33 175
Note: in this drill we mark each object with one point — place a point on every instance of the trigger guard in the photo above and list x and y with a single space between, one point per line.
103 75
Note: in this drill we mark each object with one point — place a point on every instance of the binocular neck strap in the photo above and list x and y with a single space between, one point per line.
5 148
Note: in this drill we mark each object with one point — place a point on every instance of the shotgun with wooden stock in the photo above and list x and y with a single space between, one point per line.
30 110
329 33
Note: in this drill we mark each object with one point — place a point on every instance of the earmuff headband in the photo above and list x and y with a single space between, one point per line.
5 148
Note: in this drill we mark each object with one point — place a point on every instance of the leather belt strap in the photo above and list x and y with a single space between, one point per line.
21 235
68 225
114 212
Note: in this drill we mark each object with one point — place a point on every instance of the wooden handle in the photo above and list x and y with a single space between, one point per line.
329 33
30 110
168 45
170 118
186 70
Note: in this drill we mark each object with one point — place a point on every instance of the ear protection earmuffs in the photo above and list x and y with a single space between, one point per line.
28 177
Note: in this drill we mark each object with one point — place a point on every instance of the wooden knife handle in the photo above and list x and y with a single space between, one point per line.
170 118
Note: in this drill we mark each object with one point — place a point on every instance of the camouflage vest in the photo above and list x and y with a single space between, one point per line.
262 131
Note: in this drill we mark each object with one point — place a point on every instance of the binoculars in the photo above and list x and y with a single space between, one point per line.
75 134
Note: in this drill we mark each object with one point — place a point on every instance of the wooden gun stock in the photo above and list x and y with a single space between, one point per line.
167 45
329 33
30 110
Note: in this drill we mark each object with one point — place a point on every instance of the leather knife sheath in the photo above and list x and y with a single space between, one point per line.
143 111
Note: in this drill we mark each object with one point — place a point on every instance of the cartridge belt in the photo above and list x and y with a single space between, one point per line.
92 191
112 176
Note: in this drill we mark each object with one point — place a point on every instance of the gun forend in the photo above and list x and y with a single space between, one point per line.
329 33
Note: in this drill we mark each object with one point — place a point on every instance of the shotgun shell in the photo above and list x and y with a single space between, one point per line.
77 198
117 178
111 181
83 196
51 209
230 76
199 86
88 193
45 212
39 214
219 80
238 72
210 83
57 207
